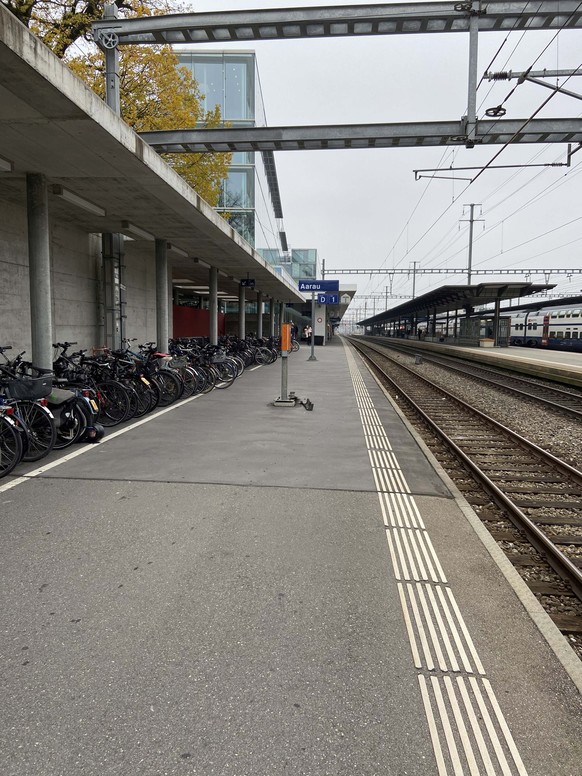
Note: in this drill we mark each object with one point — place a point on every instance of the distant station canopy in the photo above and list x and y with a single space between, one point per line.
450 298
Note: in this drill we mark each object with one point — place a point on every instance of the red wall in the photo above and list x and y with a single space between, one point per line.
191 322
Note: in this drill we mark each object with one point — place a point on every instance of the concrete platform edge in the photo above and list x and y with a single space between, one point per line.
572 666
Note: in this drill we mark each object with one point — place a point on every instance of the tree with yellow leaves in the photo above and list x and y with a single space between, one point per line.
155 92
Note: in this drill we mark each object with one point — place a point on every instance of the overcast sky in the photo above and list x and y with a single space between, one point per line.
364 209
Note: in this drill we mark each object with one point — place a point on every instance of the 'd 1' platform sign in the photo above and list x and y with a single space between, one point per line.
321 286
328 299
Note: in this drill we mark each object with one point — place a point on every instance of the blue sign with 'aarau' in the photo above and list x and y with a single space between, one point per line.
319 285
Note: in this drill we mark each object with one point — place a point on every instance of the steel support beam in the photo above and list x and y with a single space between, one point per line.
356 136
225 27
456 271
112 79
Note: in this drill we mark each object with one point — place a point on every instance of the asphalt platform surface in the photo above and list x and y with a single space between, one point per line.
211 592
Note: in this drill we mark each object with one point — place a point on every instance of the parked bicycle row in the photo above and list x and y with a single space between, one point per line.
42 410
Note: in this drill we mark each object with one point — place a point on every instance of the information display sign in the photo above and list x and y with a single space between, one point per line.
248 283
328 299
319 285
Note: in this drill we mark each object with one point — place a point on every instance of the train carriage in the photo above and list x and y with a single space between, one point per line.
555 328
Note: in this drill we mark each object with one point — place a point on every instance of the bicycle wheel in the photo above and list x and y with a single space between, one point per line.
145 396
133 401
40 429
10 446
71 426
114 403
189 381
210 377
226 374
170 386
263 356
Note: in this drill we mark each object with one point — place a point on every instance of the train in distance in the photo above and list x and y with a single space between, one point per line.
555 328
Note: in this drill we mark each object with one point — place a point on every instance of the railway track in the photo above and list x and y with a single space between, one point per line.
558 398
539 493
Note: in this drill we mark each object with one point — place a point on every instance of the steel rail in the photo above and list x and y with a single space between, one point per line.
561 564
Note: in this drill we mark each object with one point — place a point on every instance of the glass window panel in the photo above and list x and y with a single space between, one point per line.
208 72
243 157
574 335
239 92
238 190
553 334
244 224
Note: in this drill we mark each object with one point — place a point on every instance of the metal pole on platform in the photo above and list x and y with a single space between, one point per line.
312 356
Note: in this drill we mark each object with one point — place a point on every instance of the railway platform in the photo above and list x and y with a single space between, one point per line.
237 589
558 365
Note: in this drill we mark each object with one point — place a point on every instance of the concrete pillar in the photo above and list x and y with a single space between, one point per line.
241 312
281 318
272 317
162 306
259 314
41 325
213 304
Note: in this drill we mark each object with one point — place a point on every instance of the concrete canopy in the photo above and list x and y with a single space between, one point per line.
449 298
54 125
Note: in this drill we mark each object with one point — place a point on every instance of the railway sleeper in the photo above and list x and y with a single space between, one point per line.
567 623
541 587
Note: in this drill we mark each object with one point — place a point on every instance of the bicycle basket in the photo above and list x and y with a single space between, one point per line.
218 358
28 388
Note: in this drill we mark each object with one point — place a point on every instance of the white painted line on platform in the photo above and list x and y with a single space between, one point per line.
442 629
465 631
420 628
461 727
82 450
432 617
409 628
486 717
455 631
478 735
432 630
503 725
434 735
448 731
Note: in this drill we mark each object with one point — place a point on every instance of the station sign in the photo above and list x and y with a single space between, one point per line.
322 286
328 299
247 283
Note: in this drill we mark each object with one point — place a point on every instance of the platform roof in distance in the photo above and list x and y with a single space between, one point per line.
449 298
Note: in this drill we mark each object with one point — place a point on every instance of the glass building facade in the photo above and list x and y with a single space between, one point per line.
298 262
230 80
